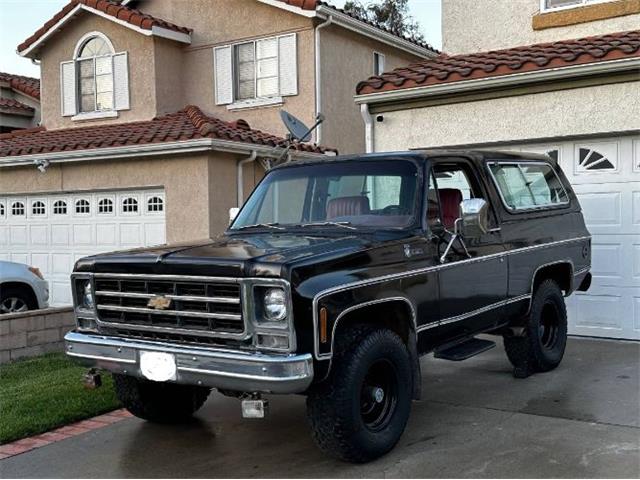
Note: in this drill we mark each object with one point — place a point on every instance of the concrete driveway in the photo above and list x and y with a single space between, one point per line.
476 420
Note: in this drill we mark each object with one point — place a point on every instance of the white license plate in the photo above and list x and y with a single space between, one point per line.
158 366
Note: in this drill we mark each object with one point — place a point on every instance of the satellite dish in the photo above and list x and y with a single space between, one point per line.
296 127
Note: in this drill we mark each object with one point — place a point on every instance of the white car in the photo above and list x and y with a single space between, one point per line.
22 288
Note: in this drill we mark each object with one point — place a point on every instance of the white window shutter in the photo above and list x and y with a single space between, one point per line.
288 60
223 65
68 98
121 81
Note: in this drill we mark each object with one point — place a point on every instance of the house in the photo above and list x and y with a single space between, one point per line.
19 102
555 76
158 116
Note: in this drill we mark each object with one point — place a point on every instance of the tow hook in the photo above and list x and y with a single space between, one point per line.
92 379
254 406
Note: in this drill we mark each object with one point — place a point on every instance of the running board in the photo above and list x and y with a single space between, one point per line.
464 350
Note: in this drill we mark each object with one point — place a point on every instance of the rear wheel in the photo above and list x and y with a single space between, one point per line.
541 346
359 413
159 402
15 300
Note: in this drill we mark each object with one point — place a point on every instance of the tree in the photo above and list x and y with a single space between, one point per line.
390 14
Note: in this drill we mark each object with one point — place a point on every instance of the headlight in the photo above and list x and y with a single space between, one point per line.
275 304
85 295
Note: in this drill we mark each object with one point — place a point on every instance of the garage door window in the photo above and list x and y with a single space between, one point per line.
525 186
130 205
17 209
1 210
83 207
105 206
60 207
593 160
155 204
38 208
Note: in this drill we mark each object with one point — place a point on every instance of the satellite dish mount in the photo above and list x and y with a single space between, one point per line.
298 131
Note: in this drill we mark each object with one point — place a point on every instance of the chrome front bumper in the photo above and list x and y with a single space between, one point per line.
230 370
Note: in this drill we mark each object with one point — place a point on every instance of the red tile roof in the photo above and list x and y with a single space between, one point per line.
111 8
188 124
9 105
314 4
445 69
27 85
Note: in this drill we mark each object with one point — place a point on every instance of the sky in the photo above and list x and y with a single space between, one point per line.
20 18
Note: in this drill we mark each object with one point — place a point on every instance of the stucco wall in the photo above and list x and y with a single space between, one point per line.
584 111
141 70
347 58
472 25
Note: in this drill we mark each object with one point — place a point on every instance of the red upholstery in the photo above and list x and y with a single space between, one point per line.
450 200
347 206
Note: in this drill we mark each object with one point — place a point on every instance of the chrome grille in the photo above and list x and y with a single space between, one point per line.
189 305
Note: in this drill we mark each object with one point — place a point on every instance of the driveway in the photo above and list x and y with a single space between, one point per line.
476 420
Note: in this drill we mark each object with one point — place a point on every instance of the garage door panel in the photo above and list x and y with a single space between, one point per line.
53 231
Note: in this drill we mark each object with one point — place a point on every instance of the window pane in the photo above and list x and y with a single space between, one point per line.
86 68
103 65
104 83
246 90
267 48
562 3
105 101
528 186
268 68
86 86
87 103
245 71
268 87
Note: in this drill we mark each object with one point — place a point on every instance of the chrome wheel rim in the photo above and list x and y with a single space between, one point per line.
13 305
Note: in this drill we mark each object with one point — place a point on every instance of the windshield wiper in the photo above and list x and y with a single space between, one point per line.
273 225
326 224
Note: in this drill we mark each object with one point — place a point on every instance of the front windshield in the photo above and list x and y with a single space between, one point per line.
372 194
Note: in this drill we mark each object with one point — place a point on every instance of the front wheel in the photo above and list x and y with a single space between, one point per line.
157 401
541 347
359 413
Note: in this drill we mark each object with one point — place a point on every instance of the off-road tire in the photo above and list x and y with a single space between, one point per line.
334 407
159 402
540 348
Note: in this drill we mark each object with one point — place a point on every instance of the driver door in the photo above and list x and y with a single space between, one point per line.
473 283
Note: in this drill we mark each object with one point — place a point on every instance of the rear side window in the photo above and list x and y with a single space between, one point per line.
525 186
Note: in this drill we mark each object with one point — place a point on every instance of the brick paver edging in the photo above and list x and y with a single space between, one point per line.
30 443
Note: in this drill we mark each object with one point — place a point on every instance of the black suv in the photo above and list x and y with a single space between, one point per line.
332 281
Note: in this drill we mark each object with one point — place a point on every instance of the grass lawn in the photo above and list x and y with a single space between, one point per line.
42 393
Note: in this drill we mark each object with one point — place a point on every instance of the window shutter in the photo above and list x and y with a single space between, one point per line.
68 98
223 65
288 60
121 81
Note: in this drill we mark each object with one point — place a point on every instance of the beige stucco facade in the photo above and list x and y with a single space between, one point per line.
474 26
547 115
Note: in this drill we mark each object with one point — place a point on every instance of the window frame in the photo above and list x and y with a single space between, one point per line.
583 3
256 78
77 60
376 63
509 209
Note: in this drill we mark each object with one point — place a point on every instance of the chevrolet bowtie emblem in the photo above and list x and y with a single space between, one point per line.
159 302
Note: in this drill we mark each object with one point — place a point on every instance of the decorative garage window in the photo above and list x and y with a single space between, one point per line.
38 208
1 209
83 206
130 205
96 82
591 159
256 72
155 204
554 154
105 206
60 207
17 209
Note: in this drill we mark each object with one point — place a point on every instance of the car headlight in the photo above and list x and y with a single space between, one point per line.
275 304
85 295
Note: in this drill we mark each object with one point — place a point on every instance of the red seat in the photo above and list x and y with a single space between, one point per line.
450 200
347 206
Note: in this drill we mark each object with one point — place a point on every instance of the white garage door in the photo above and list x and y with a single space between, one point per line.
52 231
605 174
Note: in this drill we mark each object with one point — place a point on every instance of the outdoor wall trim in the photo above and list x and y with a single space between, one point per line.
186 146
503 81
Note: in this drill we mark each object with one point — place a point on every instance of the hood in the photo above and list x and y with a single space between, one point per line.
260 254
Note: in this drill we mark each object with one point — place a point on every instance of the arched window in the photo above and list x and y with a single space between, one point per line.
60 207
38 208
82 206
155 204
105 206
130 205
95 74
17 209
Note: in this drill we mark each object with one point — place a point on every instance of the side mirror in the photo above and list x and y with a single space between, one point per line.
475 217
233 213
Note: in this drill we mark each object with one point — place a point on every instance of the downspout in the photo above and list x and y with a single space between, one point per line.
368 127
240 186
324 24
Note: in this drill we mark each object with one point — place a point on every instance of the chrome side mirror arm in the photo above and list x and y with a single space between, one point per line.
456 235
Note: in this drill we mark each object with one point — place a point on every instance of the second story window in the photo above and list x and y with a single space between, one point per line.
378 63
95 83
547 5
259 71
